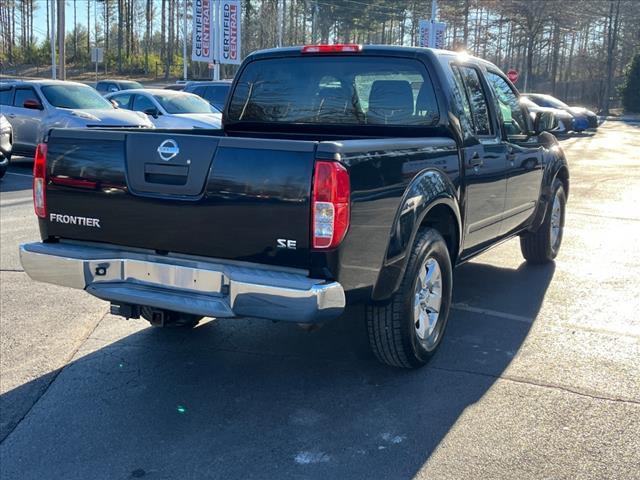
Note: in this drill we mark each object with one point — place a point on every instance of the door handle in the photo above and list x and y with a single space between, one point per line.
475 161
11 115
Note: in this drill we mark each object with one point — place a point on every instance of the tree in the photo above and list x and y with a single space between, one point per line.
120 32
147 38
630 89
531 17
613 26
576 53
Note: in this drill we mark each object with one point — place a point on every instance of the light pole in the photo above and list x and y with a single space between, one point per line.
432 30
52 40
61 32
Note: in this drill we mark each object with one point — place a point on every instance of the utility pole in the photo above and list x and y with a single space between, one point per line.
184 41
52 40
61 31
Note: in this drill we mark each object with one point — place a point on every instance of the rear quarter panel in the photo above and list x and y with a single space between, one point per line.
393 181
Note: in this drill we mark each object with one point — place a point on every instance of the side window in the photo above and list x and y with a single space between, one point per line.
5 96
513 117
24 94
461 102
122 100
477 101
200 91
101 87
207 94
217 95
142 103
543 102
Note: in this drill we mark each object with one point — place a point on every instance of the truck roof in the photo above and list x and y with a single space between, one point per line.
373 50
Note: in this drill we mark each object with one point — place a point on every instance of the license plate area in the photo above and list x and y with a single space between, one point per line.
157 274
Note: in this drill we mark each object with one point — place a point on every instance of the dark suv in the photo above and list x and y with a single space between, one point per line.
215 92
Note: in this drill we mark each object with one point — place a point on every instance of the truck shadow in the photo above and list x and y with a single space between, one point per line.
251 399
567 136
11 182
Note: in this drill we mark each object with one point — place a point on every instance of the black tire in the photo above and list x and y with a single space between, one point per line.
169 319
541 246
393 332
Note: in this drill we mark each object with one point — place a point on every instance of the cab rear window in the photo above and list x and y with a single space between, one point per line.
346 90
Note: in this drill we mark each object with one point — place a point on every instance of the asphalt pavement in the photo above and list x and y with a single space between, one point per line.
538 375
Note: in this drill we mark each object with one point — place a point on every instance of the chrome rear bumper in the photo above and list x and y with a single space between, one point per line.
184 284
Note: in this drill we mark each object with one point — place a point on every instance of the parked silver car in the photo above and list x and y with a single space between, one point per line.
583 119
564 120
34 107
169 108
5 144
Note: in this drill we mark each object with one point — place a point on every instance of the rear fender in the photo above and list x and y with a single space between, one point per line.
428 190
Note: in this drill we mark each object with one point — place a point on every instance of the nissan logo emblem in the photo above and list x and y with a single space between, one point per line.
168 149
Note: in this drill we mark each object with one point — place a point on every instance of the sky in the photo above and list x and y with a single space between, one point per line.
40 16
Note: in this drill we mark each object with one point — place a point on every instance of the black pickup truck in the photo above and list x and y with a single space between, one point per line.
342 174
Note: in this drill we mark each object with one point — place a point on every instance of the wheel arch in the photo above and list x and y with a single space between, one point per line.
562 174
431 201
557 168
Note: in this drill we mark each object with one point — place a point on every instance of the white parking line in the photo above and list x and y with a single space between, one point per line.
19 174
16 201
508 316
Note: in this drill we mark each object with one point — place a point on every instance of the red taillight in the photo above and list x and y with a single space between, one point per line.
341 47
40 180
330 204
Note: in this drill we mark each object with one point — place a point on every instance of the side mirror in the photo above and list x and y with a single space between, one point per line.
544 122
153 112
32 104
114 103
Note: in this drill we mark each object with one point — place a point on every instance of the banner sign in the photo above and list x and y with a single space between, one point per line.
439 33
424 32
229 32
203 21
428 28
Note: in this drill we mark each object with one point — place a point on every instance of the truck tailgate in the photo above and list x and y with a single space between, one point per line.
202 195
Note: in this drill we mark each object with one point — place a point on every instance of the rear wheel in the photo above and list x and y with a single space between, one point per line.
167 318
407 331
543 245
